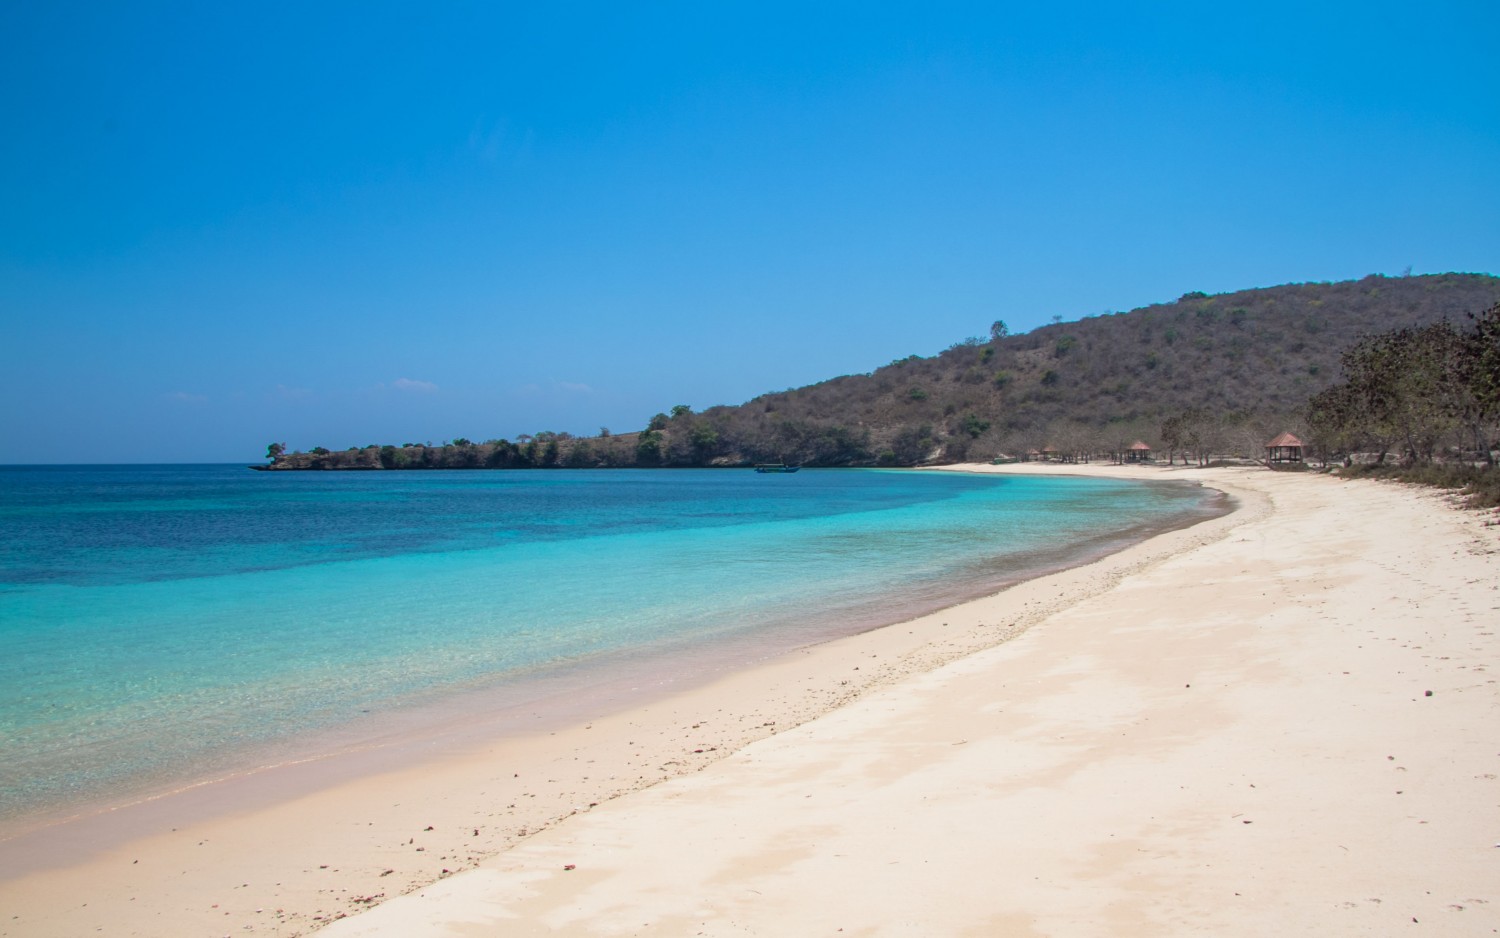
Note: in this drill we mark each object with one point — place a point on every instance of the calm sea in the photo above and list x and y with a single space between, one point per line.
165 623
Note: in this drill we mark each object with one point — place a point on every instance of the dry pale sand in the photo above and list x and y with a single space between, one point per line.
1224 730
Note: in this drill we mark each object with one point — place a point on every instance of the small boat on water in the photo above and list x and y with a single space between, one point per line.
776 467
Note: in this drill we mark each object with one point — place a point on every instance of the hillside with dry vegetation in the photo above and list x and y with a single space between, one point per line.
1212 373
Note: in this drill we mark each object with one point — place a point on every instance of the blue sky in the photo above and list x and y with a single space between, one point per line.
346 223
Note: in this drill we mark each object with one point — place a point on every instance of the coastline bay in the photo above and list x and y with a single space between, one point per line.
1181 668
170 625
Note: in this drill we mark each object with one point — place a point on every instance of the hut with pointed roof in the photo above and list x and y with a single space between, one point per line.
1285 448
1138 452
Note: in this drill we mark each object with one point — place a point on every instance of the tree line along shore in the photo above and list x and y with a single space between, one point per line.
1390 370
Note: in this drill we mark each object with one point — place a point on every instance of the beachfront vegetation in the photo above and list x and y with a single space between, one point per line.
1421 391
1477 487
1199 378
1430 397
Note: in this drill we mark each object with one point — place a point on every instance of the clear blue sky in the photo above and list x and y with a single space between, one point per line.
346 223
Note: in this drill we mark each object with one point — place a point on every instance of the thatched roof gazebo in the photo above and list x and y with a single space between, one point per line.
1137 452
1285 448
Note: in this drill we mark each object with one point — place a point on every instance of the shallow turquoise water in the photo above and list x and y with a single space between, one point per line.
159 622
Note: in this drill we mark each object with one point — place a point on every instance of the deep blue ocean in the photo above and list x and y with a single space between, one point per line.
158 623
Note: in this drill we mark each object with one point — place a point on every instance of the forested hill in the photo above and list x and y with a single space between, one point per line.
1247 360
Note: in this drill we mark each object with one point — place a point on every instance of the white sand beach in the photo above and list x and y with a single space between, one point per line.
1281 721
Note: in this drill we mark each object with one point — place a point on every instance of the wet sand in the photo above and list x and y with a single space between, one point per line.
1225 729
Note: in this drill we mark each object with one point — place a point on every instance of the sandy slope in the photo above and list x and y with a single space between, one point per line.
1225 730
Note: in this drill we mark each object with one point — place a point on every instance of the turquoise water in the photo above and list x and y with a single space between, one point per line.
160 622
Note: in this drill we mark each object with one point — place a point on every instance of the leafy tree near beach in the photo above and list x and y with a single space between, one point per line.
1408 389
274 450
704 439
648 448
392 457
1363 409
1175 436
1479 375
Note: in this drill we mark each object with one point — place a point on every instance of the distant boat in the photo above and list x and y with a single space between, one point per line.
776 467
